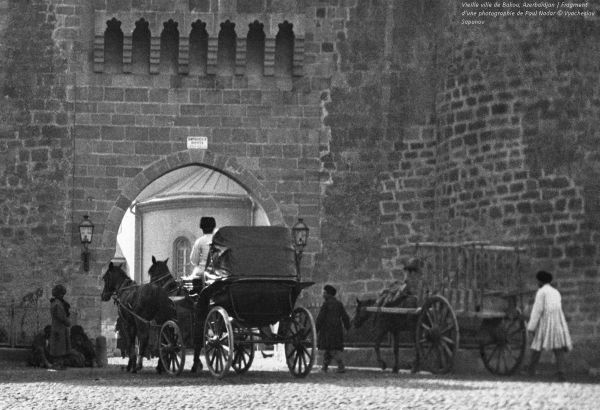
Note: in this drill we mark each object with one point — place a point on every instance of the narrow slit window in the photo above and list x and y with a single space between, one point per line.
181 257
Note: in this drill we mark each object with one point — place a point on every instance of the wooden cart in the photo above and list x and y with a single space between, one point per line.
472 294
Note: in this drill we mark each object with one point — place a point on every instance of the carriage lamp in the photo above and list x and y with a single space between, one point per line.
300 234
86 232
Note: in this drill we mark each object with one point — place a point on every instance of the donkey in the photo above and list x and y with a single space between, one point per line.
384 323
161 275
137 305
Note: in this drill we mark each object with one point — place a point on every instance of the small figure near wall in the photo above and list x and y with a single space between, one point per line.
548 326
330 334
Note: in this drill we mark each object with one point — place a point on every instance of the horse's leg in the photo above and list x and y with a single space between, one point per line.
132 353
396 348
143 337
381 332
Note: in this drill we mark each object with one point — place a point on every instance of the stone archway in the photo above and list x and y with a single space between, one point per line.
222 163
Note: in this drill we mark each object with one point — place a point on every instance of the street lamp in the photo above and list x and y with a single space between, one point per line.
300 235
86 233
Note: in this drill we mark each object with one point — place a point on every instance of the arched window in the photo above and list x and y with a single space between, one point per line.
255 49
169 48
140 58
113 47
284 50
226 49
198 48
181 257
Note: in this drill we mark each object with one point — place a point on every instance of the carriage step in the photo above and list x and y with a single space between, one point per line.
406 311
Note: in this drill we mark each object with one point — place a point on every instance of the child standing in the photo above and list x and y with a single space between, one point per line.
330 334
548 326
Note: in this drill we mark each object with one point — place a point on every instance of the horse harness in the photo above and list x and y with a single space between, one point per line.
120 305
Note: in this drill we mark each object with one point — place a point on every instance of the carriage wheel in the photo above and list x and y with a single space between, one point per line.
243 353
437 335
503 349
300 352
171 349
218 342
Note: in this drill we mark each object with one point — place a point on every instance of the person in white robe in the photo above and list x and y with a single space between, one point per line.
199 253
547 325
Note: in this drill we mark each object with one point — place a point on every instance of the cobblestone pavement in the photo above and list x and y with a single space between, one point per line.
268 385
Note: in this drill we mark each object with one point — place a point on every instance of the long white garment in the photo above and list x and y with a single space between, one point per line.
548 322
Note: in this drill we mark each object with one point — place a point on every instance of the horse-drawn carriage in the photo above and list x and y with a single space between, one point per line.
469 291
258 285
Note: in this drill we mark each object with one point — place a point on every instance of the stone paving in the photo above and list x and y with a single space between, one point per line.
268 385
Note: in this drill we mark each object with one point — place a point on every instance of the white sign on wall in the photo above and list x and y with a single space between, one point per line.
197 142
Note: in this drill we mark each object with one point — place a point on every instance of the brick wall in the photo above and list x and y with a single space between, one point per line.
35 152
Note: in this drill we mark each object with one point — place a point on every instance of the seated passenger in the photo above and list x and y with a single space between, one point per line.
201 247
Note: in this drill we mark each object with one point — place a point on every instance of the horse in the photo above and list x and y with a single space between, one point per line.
161 276
137 305
385 323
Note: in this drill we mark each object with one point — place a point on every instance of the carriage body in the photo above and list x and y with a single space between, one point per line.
253 282
258 282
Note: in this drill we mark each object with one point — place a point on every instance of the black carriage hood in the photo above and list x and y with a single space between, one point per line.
264 251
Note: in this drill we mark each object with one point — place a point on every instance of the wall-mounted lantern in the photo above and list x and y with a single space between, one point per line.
86 233
300 235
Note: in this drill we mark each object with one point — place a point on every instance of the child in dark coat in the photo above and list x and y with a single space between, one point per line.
330 334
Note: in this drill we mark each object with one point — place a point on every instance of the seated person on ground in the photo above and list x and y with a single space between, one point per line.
81 342
40 356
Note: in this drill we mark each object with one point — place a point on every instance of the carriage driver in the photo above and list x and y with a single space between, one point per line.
399 290
201 248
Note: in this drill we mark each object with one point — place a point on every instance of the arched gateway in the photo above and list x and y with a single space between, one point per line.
224 164
227 165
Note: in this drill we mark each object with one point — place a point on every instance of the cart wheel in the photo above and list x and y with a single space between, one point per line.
437 335
503 349
243 353
171 350
301 348
218 342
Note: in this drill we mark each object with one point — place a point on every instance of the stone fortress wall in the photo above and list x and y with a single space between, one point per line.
379 122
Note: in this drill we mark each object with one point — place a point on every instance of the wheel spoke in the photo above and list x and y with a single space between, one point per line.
442 356
448 328
428 315
446 348
448 340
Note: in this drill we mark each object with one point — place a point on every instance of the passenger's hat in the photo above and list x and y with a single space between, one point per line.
207 224
330 290
543 276
412 264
